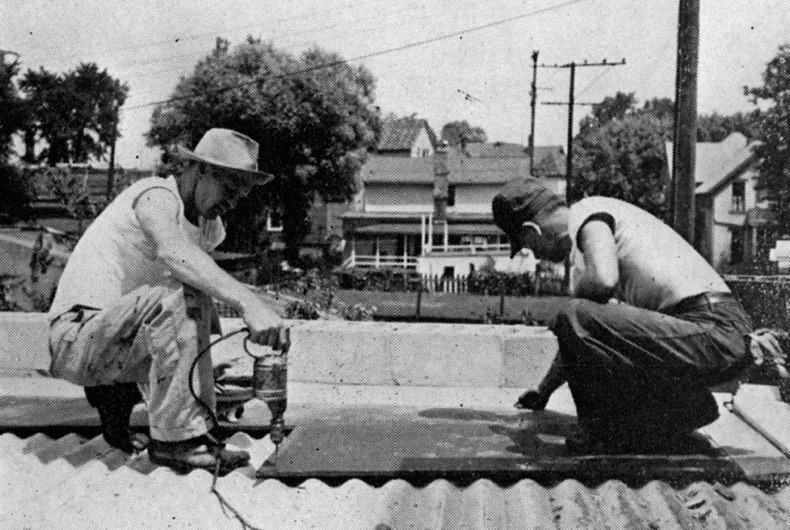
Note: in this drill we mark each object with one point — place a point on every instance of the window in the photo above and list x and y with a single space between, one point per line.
449 272
738 196
451 196
274 221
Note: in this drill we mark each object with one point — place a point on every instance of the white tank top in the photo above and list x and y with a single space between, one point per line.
114 256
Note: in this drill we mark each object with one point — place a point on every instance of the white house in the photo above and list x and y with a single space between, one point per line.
733 213
433 214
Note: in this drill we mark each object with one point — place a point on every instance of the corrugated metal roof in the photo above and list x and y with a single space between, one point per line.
76 482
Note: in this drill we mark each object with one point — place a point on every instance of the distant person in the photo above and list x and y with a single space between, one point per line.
639 370
130 303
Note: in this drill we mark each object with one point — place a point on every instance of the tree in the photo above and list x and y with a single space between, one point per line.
75 113
314 117
12 108
457 132
623 158
772 131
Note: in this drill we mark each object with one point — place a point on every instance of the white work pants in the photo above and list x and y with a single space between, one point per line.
151 336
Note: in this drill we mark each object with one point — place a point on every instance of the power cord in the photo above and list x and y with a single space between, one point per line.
209 410
224 503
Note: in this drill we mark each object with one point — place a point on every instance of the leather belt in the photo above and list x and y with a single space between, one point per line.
704 300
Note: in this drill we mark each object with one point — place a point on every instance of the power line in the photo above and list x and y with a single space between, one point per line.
310 14
387 51
571 103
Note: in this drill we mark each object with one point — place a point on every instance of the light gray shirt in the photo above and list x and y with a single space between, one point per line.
658 268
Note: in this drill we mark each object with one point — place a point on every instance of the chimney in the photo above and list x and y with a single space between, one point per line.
440 182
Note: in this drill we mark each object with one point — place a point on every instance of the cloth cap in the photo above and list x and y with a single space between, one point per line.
521 200
228 150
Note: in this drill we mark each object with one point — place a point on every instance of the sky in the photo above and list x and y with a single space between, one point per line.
443 60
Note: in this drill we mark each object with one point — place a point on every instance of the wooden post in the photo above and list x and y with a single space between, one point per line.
569 158
533 102
685 133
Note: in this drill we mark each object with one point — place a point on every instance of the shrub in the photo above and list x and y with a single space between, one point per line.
16 193
302 310
497 283
358 312
385 279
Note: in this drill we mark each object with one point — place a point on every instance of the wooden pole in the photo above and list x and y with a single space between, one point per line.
533 102
569 158
685 132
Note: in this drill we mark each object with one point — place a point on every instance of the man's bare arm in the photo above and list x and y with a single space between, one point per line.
601 274
157 211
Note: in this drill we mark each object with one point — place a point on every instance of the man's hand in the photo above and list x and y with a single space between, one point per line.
764 345
533 400
266 326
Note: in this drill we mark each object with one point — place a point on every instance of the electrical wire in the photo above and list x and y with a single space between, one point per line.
211 412
378 53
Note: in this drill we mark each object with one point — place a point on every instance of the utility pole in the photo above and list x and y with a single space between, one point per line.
533 102
685 131
572 103
111 168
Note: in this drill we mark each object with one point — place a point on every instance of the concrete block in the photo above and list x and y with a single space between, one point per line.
353 353
527 356
341 353
24 343
446 355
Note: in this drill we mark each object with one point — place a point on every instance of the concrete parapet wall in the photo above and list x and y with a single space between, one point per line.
356 353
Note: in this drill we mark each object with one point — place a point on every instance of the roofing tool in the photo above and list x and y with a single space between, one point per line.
270 384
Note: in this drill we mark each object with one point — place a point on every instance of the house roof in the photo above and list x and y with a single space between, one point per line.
719 162
400 134
549 159
494 150
463 170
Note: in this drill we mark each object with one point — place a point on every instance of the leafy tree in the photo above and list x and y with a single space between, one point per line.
611 108
314 124
12 108
75 113
623 158
456 132
15 190
772 130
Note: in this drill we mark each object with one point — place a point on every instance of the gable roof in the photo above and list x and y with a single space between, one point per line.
463 170
717 163
400 134
549 160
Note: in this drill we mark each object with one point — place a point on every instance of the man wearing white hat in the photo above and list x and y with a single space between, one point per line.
124 312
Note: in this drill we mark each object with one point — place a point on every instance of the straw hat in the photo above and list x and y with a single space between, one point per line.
228 150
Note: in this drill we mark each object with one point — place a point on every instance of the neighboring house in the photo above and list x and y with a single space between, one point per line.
733 217
434 214
407 137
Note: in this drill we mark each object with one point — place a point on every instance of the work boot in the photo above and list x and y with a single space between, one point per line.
115 404
203 452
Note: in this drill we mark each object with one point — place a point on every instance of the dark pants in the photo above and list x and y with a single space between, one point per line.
637 371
